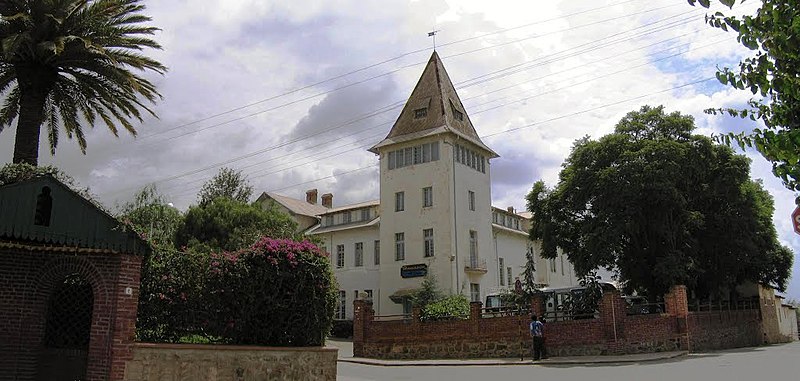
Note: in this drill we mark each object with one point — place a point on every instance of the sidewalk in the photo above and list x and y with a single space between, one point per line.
346 355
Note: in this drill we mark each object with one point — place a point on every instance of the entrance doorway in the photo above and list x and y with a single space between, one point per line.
65 347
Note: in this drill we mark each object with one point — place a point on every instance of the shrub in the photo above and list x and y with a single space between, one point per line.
342 329
452 307
278 292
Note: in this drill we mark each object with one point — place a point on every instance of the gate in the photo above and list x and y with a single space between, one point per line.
65 347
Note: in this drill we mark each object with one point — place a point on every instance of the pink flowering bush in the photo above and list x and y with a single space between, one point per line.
278 292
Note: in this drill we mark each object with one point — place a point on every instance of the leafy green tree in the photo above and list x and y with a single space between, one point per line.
529 273
170 290
428 292
64 63
225 224
772 73
663 206
226 183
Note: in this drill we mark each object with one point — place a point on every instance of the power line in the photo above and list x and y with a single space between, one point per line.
386 108
362 117
518 128
364 68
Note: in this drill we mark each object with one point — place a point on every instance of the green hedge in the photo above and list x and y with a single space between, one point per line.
278 292
454 307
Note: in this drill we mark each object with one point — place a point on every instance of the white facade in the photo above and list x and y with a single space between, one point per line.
434 214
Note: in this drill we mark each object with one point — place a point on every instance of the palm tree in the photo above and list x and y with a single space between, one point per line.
66 63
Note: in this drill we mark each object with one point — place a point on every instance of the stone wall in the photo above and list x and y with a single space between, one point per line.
724 329
189 362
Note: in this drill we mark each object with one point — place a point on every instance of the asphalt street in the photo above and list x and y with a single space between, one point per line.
776 362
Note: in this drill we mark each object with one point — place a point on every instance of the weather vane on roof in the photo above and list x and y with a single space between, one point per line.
433 34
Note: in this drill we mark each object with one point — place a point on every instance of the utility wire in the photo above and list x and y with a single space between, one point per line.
516 128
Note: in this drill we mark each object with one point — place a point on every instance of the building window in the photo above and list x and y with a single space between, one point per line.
494 217
359 254
474 292
399 246
341 311
347 217
339 256
369 294
473 247
516 223
562 265
502 271
355 294
365 214
508 275
399 201
427 197
471 195
329 220
553 265
377 252
428 237
420 113
414 155
456 113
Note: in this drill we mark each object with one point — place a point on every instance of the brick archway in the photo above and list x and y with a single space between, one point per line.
51 276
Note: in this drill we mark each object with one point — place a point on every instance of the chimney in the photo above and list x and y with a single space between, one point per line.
327 200
311 196
510 209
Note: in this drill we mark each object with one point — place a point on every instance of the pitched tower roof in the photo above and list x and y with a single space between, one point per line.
433 107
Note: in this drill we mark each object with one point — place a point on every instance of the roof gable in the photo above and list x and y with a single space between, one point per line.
295 206
433 103
73 220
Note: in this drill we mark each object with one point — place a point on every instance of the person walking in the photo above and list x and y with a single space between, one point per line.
537 334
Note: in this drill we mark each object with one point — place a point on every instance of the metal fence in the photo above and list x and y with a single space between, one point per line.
751 303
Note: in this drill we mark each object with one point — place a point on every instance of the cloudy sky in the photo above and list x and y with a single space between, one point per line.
294 92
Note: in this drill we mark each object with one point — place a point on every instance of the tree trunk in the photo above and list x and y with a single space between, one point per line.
34 85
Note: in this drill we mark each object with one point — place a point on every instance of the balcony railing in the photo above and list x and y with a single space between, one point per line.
475 265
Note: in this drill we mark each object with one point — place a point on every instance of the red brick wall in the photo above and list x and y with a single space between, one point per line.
612 333
27 279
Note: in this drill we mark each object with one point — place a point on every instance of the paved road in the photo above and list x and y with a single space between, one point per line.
777 362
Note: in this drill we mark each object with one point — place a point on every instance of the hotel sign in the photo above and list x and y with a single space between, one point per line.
414 271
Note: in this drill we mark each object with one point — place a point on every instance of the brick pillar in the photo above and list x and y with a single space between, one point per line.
127 302
612 316
537 304
475 310
362 317
677 305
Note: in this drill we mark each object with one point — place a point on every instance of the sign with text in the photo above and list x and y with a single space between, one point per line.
414 271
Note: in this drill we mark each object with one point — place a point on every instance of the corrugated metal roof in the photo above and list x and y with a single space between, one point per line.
74 221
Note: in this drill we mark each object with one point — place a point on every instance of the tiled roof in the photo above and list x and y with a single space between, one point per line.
296 206
353 206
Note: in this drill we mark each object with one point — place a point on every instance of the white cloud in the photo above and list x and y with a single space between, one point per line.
567 75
